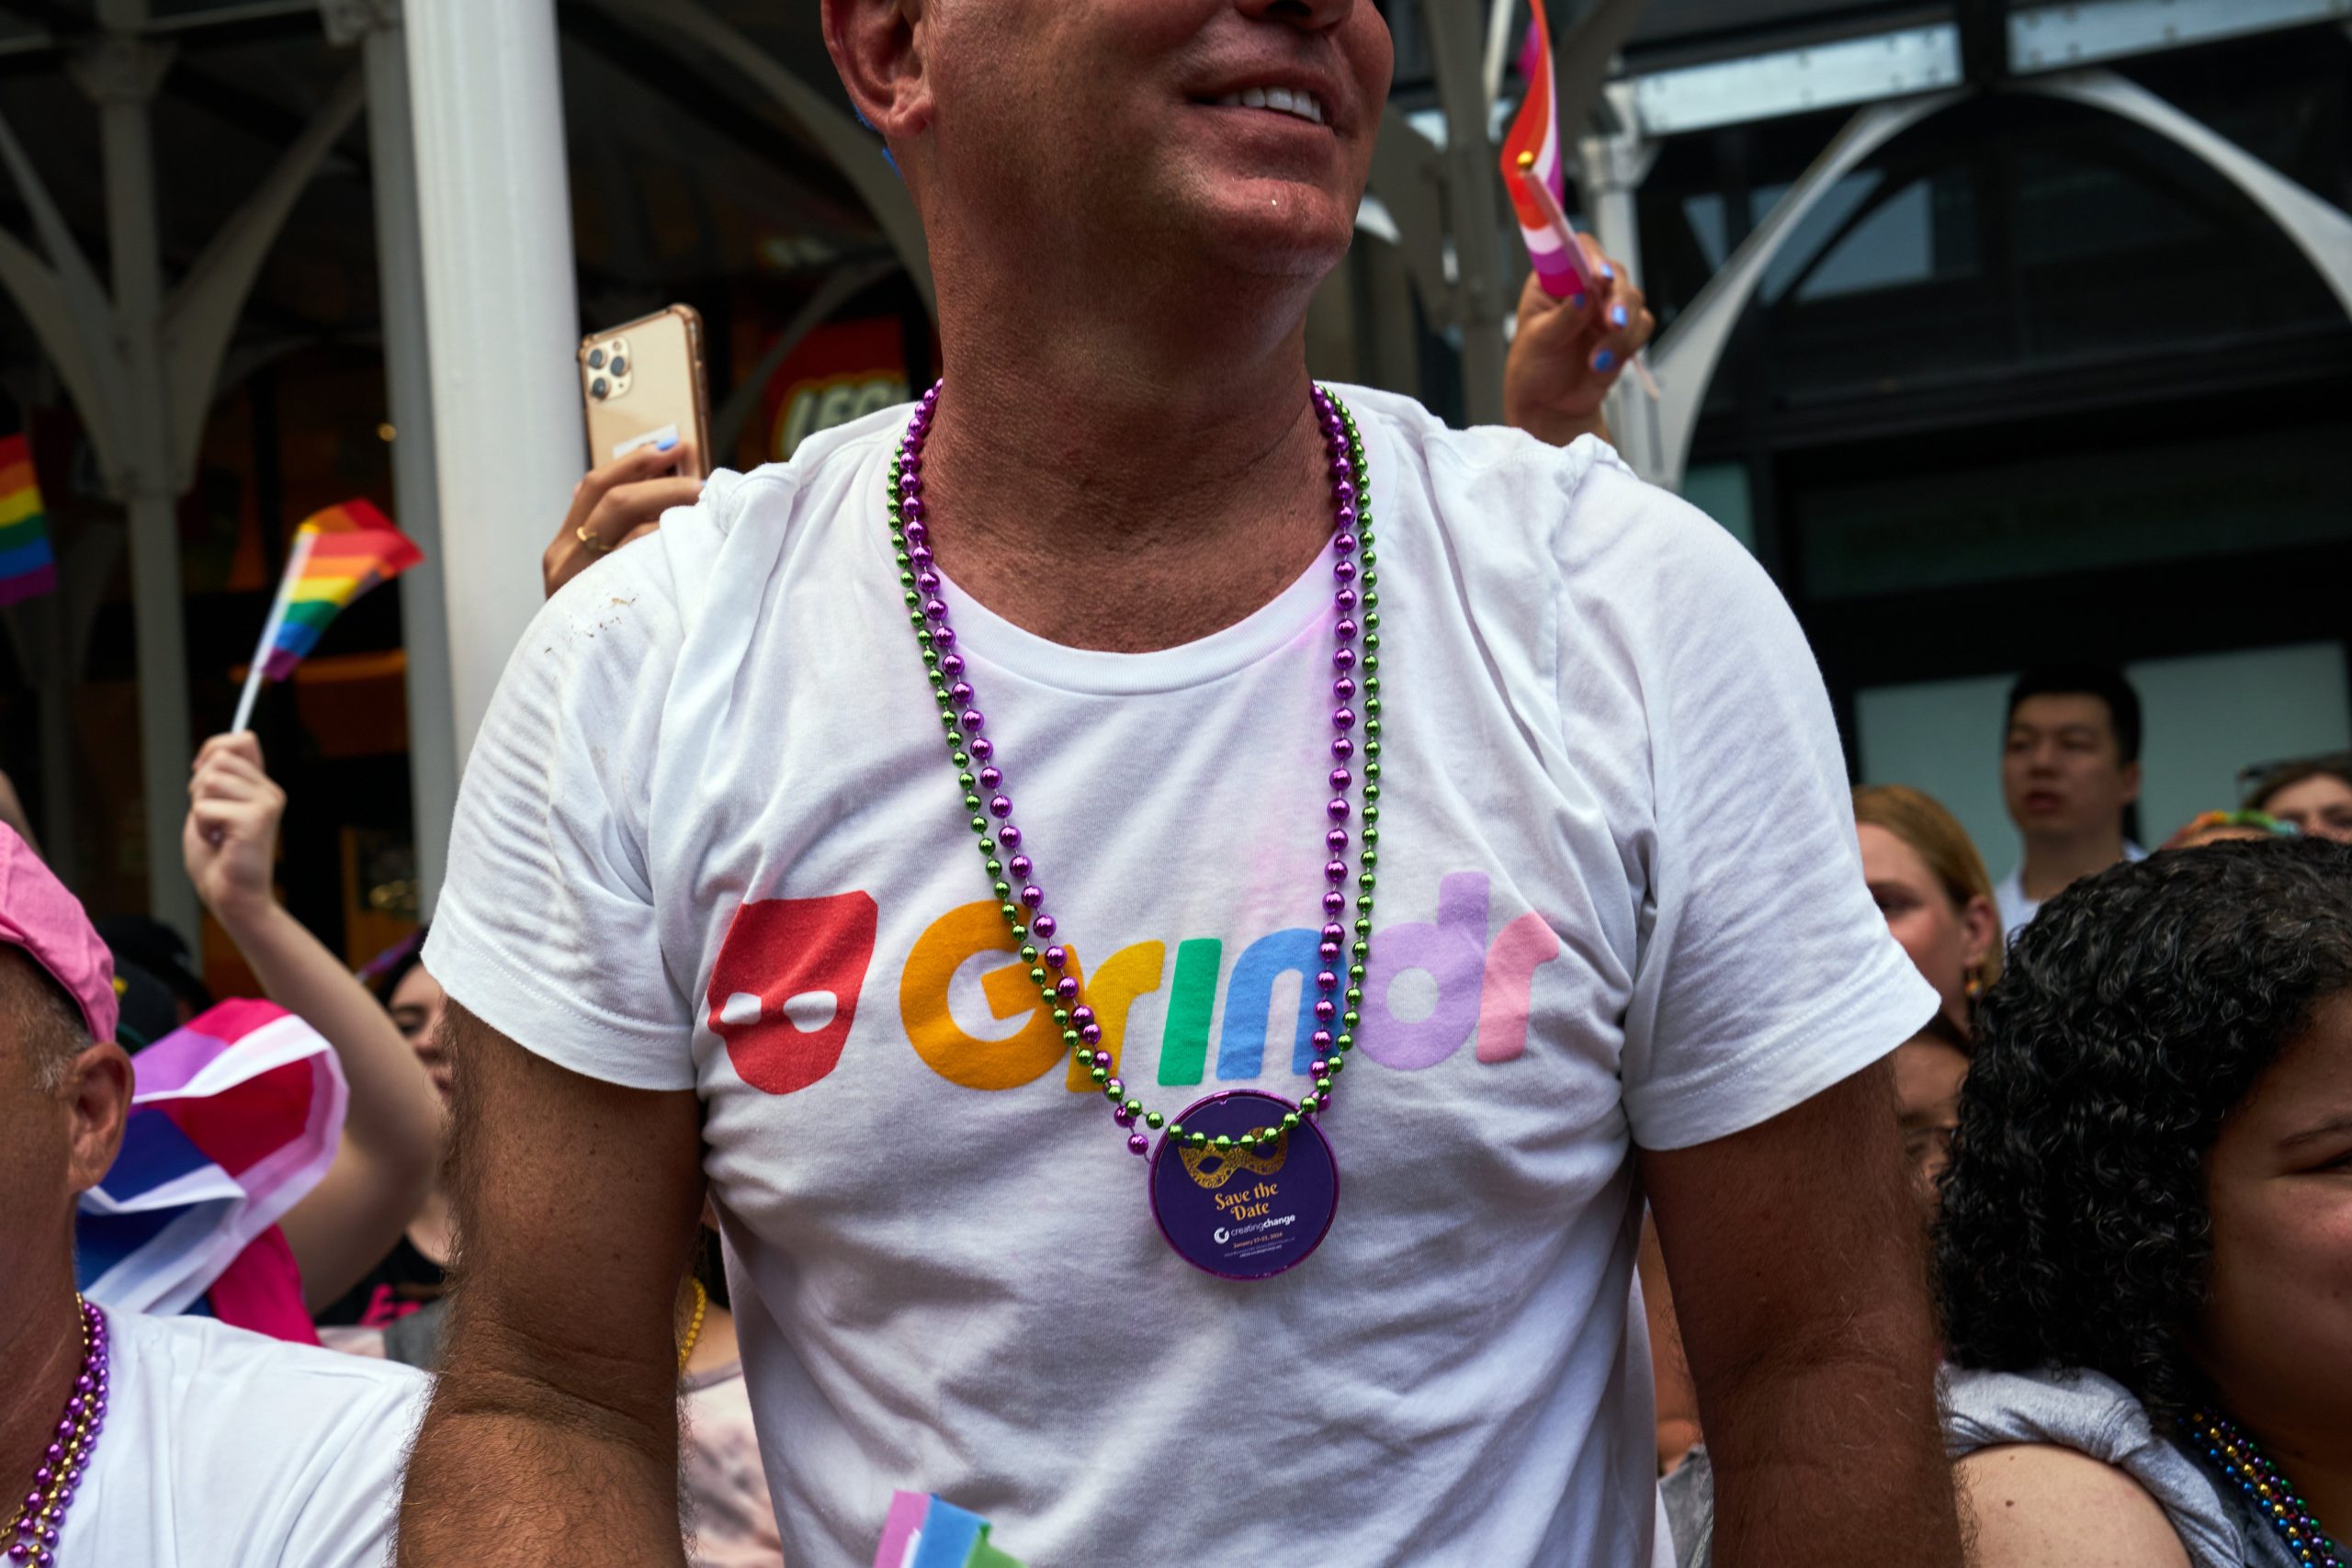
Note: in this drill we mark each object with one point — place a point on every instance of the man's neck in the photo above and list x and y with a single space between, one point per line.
40 1353
1118 484
2054 865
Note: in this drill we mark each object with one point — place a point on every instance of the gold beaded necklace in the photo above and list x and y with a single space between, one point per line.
693 1325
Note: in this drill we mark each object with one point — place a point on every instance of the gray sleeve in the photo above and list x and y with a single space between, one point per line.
2094 1415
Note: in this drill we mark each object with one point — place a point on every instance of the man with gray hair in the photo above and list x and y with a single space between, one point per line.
125 1438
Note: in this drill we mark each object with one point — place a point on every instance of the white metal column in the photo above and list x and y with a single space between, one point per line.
121 74
495 206
399 265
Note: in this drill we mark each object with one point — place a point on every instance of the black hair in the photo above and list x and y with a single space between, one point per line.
2135 1013
2104 681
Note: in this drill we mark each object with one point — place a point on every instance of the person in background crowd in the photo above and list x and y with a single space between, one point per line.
2316 796
1930 1069
1930 883
415 1272
1131 472
2070 772
2142 1253
2219 827
161 951
392 1134
163 1442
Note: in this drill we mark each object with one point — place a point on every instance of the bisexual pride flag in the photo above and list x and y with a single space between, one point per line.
234 1120
350 549
924 1533
27 565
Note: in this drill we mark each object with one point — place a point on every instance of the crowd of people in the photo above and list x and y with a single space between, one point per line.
1781 1051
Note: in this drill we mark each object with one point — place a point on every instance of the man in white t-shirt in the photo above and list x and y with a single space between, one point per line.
717 914
125 1438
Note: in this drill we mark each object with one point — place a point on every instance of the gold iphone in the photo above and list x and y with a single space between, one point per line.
644 383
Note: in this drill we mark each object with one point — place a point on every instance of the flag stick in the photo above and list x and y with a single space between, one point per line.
1566 235
295 560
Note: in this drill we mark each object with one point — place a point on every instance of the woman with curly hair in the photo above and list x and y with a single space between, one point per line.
2146 1246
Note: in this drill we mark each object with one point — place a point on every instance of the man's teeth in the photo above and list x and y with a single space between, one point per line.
1281 100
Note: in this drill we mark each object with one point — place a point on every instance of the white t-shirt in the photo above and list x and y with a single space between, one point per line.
226 1449
710 832
2017 910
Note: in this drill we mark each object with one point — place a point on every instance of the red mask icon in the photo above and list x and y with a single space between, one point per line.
781 960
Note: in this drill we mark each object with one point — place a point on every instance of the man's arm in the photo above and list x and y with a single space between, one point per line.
1798 1264
552 1438
391 1132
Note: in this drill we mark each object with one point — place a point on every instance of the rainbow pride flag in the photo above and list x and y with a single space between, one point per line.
235 1118
1531 159
351 549
925 1532
27 565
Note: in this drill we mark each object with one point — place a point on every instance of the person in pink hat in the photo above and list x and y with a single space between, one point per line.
124 1437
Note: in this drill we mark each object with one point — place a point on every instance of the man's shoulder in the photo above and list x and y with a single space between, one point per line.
304 1386
1501 496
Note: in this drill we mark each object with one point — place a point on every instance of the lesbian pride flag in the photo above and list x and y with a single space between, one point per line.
28 566
352 547
924 1533
234 1119
1531 159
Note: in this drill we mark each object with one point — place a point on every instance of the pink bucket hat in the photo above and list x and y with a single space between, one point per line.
38 915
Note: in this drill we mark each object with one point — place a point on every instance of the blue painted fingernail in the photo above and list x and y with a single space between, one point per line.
1576 300
1603 360
1608 271
665 444
1617 316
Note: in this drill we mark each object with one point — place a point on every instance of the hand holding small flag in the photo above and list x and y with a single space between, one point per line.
338 555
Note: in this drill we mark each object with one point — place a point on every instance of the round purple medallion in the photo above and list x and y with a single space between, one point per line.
1240 1213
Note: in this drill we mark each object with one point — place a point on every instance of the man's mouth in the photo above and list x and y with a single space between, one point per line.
1295 102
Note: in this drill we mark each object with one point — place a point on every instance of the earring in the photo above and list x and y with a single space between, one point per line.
1975 985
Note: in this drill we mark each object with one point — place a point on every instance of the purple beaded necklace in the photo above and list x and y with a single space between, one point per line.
33 1534
1252 1153
2233 1453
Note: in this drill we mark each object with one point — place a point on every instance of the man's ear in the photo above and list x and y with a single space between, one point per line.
97 1091
2131 783
877 49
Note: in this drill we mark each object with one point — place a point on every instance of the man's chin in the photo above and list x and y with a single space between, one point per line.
1270 229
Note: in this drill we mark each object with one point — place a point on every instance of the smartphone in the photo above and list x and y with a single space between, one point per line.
644 383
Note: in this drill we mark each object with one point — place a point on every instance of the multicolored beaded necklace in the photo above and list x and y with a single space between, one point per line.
2234 1454
32 1533
1355 688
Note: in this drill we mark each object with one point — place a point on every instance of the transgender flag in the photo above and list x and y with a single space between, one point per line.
234 1119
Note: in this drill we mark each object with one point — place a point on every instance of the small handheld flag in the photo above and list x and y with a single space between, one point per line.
236 1118
27 565
1533 171
1533 175
338 555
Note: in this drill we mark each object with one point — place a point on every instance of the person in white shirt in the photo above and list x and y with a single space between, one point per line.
2070 775
1280 736
125 1438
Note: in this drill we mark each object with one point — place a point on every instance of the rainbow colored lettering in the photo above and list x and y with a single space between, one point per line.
786 987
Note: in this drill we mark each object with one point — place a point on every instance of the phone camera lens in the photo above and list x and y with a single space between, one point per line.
620 366
595 359
599 388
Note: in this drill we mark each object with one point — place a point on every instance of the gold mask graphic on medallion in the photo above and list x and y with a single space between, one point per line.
1213 1168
